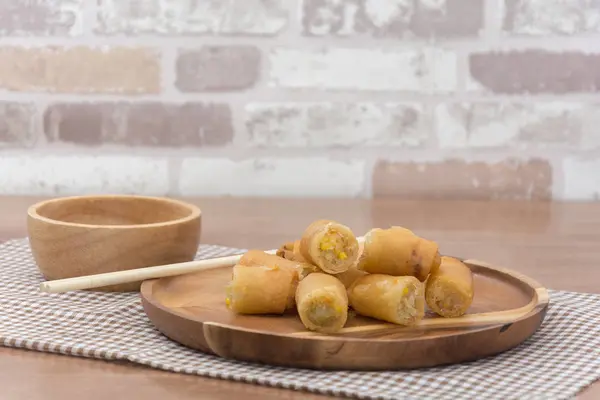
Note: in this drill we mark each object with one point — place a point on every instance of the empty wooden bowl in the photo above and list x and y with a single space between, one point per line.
85 235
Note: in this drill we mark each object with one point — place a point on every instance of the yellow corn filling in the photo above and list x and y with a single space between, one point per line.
332 241
326 244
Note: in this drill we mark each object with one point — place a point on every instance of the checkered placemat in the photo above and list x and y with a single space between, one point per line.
562 358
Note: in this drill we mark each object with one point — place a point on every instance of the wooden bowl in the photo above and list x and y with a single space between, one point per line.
508 308
85 235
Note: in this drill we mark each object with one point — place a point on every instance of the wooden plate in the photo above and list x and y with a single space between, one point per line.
190 309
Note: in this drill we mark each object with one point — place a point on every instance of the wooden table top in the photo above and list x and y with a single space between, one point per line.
554 243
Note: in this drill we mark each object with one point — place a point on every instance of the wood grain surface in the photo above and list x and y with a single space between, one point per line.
554 243
190 309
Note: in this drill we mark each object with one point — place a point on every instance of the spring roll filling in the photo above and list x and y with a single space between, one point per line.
446 299
411 305
334 246
407 307
323 311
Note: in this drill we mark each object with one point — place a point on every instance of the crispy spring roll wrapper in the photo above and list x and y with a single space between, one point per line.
449 291
322 303
259 257
396 299
398 251
261 289
291 251
330 246
297 255
348 277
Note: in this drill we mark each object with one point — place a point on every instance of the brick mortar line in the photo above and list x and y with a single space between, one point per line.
428 125
585 43
472 155
369 170
424 154
168 73
174 164
238 121
282 96
494 11
462 71
558 177
294 26
38 123
88 17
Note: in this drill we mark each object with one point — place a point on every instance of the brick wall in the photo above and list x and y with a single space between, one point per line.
416 98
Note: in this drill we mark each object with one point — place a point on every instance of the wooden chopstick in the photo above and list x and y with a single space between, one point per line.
139 274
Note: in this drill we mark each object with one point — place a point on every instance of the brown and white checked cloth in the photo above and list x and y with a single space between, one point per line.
557 362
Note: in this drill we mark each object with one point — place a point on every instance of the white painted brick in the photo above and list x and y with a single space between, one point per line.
335 124
383 13
28 18
581 179
398 19
552 17
254 17
272 177
66 175
489 124
427 69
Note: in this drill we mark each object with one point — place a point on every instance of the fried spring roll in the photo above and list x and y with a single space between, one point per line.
330 246
396 299
263 284
449 290
398 251
322 303
260 289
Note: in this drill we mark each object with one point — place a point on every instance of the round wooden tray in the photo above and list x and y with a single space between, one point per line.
190 309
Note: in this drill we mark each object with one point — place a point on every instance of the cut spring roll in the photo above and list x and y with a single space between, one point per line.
262 284
330 246
398 251
322 303
449 290
396 299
